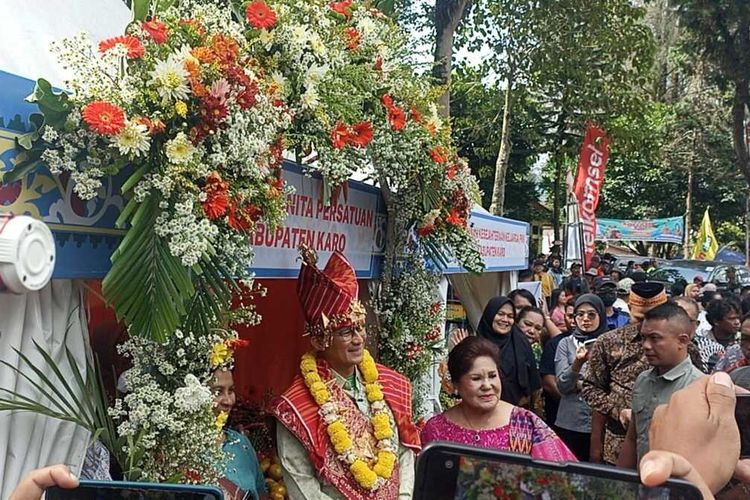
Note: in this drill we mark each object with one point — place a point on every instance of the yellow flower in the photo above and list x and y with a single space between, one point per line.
363 474
308 364
374 393
368 368
219 354
321 397
385 465
181 108
221 420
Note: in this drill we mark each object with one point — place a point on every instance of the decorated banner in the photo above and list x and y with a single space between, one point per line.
503 243
354 224
667 230
706 245
589 180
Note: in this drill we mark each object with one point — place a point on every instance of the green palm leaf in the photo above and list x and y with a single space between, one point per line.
147 285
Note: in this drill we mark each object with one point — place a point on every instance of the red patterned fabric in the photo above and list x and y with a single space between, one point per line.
329 292
298 412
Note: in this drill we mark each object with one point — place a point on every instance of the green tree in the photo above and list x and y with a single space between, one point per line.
581 61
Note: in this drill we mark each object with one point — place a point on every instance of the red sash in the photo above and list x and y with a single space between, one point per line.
298 412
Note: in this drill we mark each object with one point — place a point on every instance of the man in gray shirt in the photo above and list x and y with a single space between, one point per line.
665 336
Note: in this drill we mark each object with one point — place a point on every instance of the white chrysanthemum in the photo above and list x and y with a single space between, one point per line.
315 75
133 139
310 99
299 35
179 150
266 38
317 45
169 78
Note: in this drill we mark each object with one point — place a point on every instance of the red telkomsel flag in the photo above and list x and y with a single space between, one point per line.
589 181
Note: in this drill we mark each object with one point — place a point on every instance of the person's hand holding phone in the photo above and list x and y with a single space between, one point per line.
698 432
33 485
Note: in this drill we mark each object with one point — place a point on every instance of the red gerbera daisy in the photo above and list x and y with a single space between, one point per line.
135 49
104 117
354 38
396 117
361 134
260 15
343 8
156 30
455 218
387 101
217 196
340 135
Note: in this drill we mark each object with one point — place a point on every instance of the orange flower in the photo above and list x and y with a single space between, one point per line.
340 135
415 115
430 128
387 101
455 219
343 8
154 126
260 15
397 118
354 38
156 30
361 134
217 196
135 49
204 54
439 154
104 117
225 48
237 343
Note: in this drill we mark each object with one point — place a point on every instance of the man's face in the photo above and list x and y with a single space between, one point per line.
570 315
575 271
538 268
664 344
347 347
222 385
729 324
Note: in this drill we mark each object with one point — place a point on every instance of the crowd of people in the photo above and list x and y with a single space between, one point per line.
581 375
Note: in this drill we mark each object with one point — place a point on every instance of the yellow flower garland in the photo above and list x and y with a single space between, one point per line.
368 478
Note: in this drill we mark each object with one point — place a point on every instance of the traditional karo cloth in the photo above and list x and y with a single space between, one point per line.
299 413
329 297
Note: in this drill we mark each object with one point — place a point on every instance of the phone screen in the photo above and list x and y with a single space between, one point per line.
94 490
453 472
742 415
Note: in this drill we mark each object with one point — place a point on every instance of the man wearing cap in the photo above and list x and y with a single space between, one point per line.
615 360
575 284
623 293
606 289
344 426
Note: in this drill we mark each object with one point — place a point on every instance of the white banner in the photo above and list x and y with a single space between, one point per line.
353 224
503 243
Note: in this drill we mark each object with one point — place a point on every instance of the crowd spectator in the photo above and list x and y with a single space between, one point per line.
574 415
615 360
665 340
606 289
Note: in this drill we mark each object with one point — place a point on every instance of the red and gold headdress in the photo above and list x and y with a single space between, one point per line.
329 297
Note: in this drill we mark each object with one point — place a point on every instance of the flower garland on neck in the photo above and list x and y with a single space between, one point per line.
369 478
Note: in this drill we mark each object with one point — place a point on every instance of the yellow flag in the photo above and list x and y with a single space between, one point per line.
706 245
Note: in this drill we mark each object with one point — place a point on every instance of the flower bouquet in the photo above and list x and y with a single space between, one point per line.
180 104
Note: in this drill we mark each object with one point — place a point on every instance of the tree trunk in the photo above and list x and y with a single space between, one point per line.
739 141
503 156
448 15
689 201
559 163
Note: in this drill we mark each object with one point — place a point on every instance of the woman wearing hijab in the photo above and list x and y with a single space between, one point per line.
574 415
519 371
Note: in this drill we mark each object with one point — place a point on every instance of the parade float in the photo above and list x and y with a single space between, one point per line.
182 162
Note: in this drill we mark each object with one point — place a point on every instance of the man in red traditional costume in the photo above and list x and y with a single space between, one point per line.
345 428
